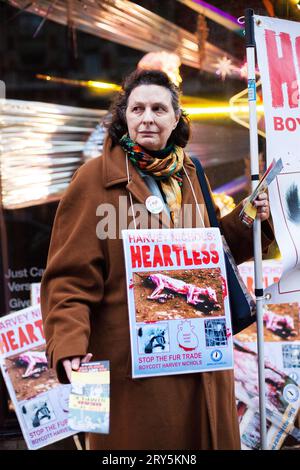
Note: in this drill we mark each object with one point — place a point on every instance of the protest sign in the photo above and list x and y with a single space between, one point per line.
40 402
277 45
178 303
282 368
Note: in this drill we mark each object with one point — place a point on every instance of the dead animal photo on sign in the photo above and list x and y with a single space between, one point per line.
168 295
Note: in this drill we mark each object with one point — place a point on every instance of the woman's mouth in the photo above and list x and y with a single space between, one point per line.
147 133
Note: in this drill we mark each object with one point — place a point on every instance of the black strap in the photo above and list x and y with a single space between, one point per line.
206 194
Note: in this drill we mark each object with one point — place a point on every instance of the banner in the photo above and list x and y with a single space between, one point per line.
282 367
278 54
177 299
40 402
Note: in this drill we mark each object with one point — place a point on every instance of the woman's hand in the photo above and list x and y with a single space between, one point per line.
73 363
263 206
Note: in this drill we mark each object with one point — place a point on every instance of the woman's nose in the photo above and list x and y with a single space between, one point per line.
148 116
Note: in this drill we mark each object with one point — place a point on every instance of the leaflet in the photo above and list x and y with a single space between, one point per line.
248 213
89 398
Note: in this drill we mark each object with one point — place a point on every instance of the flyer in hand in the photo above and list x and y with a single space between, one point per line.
248 213
89 398
178 304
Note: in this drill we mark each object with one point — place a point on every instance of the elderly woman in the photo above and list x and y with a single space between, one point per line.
84 300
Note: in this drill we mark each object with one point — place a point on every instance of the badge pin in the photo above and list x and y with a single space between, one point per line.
154 204
291 393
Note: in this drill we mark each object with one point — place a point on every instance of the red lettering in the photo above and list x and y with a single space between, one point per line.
145 254
11 340
39 324
187 261
278 123
206 257
136 259
3 344
157 260
281 69
214 256
295 96
177 249
22 337
290 124
196 257
30 332
167 255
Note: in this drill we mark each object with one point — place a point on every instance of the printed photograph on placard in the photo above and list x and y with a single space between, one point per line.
291 356
181 294
37 412
153 338
281 323
215 332
29 373
281 390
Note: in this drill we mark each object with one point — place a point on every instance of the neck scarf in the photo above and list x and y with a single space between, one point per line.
163 165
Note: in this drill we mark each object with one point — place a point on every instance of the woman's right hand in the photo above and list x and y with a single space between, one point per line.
73 363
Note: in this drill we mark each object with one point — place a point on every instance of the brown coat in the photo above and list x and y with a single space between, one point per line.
84 305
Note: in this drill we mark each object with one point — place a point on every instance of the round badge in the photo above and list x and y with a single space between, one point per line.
154 204
291 393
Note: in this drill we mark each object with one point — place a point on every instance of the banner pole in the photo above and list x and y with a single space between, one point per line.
254 160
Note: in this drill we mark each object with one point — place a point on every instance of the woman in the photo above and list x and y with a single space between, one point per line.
84 299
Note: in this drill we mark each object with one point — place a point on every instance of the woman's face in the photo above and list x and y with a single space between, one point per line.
150 116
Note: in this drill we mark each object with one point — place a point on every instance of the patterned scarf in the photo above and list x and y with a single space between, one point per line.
164 166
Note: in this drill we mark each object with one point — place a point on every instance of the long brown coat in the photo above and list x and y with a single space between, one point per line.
84 305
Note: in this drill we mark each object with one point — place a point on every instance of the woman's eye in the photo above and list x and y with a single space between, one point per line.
137 108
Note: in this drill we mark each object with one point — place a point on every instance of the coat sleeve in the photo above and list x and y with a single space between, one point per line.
240 237
72 284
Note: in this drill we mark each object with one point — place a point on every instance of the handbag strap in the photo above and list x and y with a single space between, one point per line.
206 194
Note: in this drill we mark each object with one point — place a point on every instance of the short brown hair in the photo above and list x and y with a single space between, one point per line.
118 125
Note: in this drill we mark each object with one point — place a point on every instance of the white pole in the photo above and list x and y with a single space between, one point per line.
250 48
